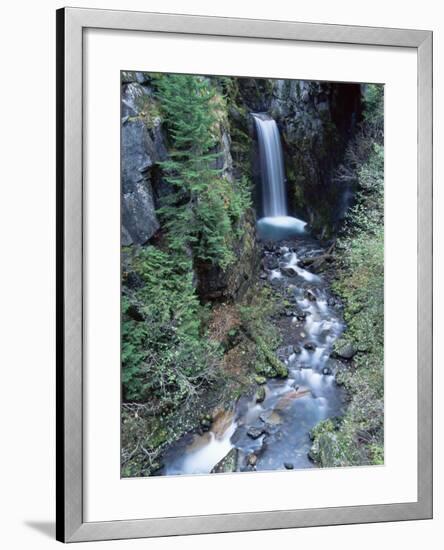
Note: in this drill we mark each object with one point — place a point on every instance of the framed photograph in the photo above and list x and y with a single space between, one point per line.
244 274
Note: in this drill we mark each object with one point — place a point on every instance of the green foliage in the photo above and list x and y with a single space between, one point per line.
358 439
205 207
257 326
165 356
374 108
169 363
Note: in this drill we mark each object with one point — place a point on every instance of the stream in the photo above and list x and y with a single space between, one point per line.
274 434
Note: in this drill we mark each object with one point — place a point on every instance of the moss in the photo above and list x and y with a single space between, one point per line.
260 394
334 444
258 326
228 464
275 366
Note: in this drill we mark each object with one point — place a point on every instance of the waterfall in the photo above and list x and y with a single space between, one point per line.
276 224
272 166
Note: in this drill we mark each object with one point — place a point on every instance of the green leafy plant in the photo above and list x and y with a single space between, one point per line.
359 437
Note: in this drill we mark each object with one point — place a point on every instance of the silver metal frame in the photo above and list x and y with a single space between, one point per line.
71 23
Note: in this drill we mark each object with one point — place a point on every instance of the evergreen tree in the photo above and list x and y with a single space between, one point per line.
197 214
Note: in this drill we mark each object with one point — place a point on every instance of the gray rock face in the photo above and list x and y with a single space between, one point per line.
134 97
139 220
315 122
143 145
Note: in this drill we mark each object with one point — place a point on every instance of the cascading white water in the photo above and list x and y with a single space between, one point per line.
272 166
275 429
276 224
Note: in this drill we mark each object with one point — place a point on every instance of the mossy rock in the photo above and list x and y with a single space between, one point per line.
227 464
260 394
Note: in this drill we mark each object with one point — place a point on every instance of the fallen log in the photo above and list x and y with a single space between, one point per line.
316 261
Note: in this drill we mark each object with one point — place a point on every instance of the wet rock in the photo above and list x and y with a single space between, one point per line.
284 352
271 419
309 295
260 394
309 346
263 276
335 366
288 465
270 262
227 464
255 433
326 371
346 351
269 247
289 270
252 460
287 400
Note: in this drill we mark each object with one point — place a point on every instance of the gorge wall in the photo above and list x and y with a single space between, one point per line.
144 145
316 121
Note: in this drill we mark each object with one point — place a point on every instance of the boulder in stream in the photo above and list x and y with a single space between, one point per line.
309 346
289 270
310 296
251 460
260 394
255 433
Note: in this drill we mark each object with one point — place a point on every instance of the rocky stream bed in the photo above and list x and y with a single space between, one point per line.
269 428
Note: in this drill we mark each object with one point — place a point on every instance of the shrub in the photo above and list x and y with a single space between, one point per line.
166 356
359 437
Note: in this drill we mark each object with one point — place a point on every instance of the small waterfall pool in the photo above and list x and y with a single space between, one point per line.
276 224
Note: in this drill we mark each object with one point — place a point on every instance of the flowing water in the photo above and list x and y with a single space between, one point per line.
276 224
272 166
274 433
